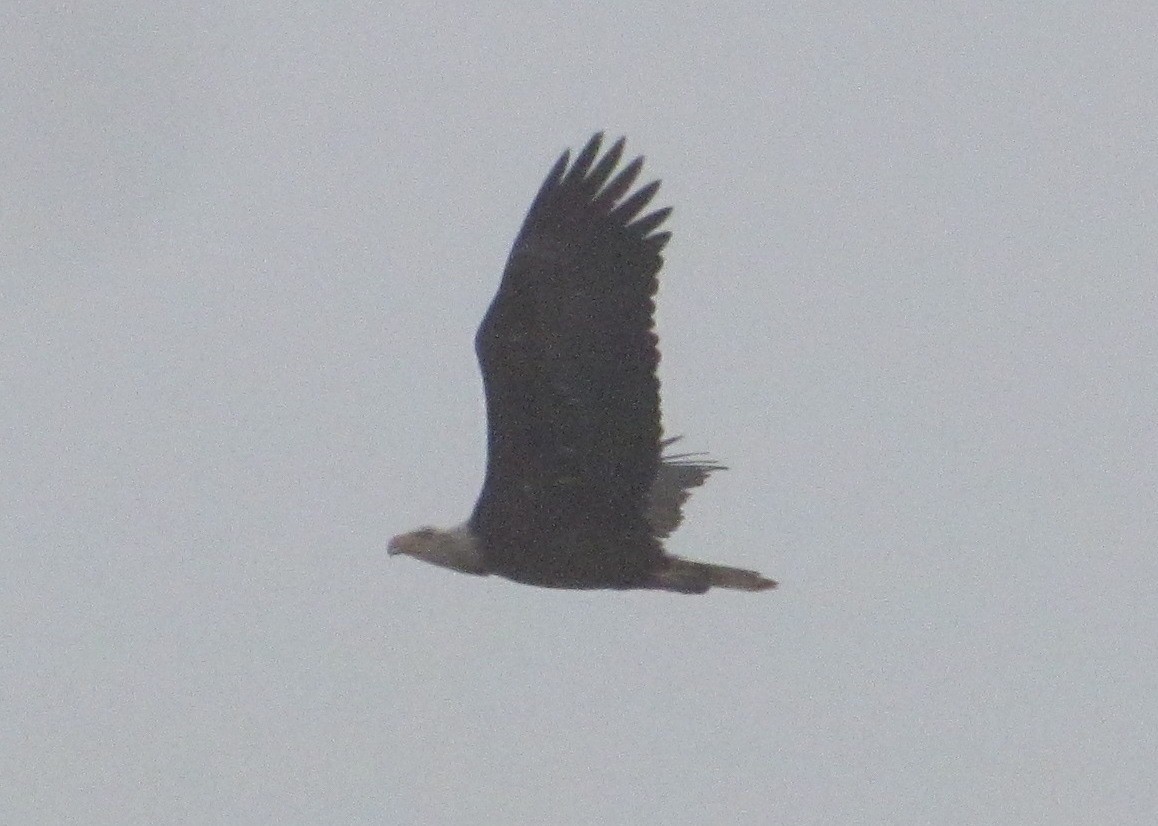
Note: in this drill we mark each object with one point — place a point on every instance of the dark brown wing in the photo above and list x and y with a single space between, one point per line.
568 357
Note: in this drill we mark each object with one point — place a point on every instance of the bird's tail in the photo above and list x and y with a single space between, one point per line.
687 577
737 579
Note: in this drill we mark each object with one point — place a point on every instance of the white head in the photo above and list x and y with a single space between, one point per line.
455 548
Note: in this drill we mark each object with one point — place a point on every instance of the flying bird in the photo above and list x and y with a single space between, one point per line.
579 492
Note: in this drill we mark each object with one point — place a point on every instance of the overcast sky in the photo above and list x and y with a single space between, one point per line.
910 301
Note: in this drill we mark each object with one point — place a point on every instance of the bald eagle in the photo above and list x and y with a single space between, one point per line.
579 492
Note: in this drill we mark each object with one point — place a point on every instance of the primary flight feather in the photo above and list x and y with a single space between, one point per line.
578 493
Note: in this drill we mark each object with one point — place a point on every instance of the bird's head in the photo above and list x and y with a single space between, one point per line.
414 543
455 549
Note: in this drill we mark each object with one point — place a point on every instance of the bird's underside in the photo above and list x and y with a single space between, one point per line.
677 475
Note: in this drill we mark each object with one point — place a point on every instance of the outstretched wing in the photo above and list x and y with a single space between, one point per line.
677 474
568 358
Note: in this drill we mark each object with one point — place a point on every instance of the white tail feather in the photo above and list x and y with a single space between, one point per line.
686 577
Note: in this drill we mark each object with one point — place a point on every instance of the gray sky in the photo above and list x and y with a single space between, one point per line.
911 301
